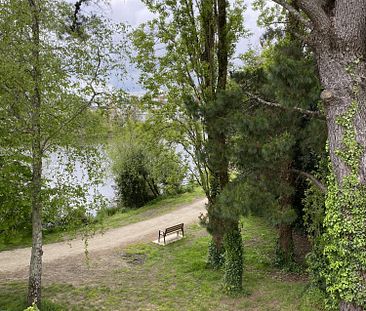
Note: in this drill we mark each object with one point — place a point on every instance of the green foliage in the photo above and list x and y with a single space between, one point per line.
181 269
270 145
345 241
285 260
14 196
314 213
145 167
233 261
73 71
341 248
32 308
215 257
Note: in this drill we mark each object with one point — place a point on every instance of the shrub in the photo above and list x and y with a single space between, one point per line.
144 168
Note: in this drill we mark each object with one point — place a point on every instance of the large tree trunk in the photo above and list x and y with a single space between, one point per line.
338 29
338 37
215 79
219 177
35 269
347 145
342 67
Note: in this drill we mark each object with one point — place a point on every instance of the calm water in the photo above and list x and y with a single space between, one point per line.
55 170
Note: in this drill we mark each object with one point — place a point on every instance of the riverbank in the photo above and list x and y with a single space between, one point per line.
124 217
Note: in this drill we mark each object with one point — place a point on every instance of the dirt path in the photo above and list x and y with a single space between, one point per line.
18 260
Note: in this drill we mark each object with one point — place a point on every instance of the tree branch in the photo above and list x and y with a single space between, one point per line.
313 9
310 113
313 179
75 26
81 109
294 12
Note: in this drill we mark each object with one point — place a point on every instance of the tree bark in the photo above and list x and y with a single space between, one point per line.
339 42
35 268
338 37
345 306
339 83
285 242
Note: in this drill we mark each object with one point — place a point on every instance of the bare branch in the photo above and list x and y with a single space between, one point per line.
313 179
310 113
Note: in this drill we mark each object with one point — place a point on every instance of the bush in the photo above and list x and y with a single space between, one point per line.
144 168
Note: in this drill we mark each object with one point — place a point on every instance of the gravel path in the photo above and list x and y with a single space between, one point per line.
16 260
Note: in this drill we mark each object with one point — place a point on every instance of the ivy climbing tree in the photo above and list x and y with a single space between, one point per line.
335 30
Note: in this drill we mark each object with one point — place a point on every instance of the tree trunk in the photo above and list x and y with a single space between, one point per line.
218 165
285 243
233 277
345 306
215 78
339 41
338 30
35 268
341 68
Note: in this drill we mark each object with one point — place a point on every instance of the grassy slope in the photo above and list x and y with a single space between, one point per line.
175 278
152 209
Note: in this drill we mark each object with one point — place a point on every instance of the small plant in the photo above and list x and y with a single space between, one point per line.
33 307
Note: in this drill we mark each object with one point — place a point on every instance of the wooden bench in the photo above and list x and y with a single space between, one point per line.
169 230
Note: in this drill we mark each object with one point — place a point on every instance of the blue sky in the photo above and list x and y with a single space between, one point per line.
134 12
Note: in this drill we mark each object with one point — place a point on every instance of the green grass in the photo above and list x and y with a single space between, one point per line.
175 277
152 209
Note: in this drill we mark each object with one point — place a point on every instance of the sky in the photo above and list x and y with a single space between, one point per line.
134 12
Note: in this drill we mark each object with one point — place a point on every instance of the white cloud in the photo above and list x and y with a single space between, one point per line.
132 12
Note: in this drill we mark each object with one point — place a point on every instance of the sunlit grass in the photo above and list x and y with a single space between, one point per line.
175 277
152 209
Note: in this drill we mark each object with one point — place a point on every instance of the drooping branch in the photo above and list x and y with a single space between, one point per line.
310 113
313 179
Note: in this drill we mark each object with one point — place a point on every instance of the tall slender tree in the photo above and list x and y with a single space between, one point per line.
54 67
197 39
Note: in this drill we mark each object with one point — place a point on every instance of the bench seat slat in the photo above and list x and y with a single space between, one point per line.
168 230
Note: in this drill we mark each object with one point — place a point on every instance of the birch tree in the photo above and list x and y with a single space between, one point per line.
55 65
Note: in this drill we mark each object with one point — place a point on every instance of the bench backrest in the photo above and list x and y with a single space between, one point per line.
174 228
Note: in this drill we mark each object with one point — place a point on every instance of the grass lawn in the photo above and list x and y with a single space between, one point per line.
175 277
155 208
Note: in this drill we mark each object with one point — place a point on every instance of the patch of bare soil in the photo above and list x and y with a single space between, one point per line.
66 264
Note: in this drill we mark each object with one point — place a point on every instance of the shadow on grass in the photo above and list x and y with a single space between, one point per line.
175 277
